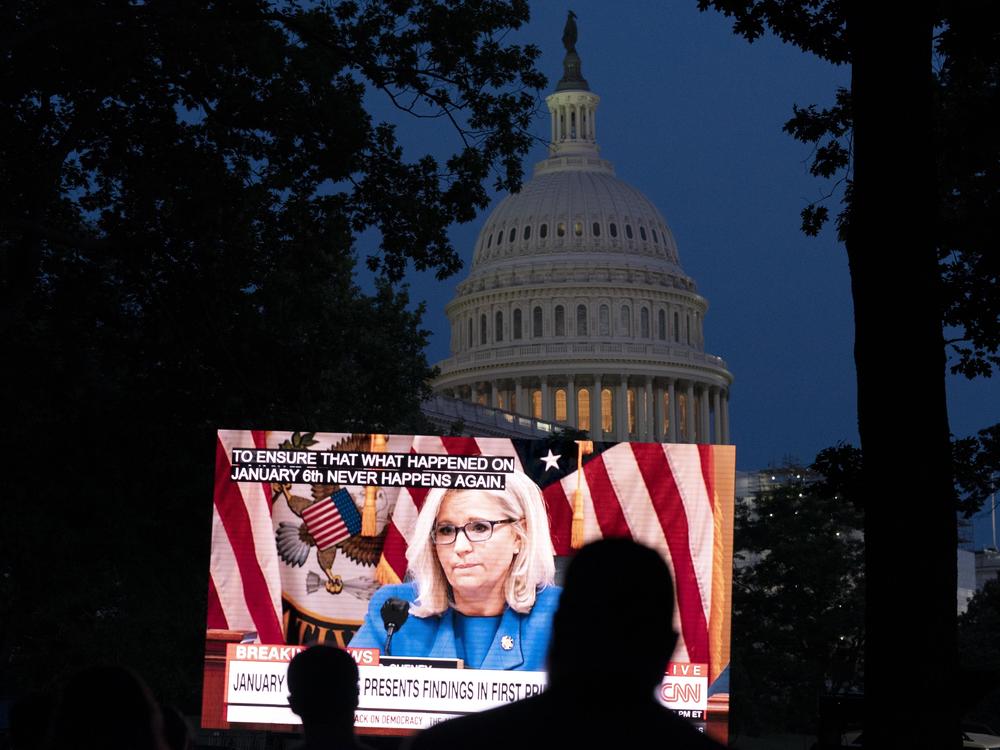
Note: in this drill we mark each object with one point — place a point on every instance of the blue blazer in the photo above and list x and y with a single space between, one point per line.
435 636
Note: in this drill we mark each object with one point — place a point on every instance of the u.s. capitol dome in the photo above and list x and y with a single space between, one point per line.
576 311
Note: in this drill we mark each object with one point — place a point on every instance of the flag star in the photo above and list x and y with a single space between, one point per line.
551 461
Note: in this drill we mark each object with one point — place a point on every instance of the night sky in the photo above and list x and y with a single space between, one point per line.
691 115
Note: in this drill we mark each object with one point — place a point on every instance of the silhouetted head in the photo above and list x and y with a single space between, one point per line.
614 626
107 708
323 686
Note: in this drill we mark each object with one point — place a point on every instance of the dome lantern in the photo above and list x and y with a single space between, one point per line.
573 107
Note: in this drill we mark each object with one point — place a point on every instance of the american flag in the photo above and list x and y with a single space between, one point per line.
333 519
676 499
244 584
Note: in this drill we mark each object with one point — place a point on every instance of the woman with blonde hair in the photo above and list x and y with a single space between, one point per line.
481 564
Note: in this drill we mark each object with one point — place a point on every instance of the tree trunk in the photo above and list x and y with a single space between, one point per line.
910 524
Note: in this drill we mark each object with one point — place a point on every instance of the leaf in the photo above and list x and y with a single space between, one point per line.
813 219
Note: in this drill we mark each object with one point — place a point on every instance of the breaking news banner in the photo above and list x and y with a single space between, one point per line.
256 692
329 537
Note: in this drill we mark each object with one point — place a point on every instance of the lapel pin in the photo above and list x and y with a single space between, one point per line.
506 643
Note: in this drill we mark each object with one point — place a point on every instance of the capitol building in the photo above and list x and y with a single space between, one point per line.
576 311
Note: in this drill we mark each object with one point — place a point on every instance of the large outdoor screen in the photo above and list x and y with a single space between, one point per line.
436 561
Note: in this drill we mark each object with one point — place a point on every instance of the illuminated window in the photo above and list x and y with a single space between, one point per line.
513 401
605 321
482 329
561 229
682 419
583 409
644 322
536 404
628 231
581 320
536 322
481 399
499 326
517 323
560 404
630 397
597 229
560 321
578 228
661 324
543 231
626 321
666 412
642 233
500 400
527 232
606 414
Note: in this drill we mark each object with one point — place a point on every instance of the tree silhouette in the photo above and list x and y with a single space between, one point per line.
184 188
798 593
979 649
915 145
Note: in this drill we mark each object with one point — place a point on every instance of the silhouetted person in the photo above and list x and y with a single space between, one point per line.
611 641
106 708
323 691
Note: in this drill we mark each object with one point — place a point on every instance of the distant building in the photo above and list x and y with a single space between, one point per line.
987 566
973 569
576 311
966 579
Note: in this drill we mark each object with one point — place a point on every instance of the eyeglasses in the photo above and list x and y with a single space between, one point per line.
475 531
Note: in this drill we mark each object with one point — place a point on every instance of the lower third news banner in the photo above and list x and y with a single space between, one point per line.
413 696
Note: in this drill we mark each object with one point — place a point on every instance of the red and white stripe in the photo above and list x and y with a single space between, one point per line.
244 588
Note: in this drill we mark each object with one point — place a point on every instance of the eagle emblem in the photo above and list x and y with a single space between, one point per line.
294 540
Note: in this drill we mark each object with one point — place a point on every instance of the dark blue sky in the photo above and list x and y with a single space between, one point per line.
691 115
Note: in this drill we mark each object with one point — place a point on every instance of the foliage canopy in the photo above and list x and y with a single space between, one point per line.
798 593
184 188
966 117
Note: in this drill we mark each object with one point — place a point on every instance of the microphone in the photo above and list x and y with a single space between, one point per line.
394 613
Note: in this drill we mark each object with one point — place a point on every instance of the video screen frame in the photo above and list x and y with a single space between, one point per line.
308 528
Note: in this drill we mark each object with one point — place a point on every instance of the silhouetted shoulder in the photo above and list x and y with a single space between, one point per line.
506 726
551 720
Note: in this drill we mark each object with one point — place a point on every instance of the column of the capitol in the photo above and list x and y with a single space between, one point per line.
571 419
596 422
658 435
